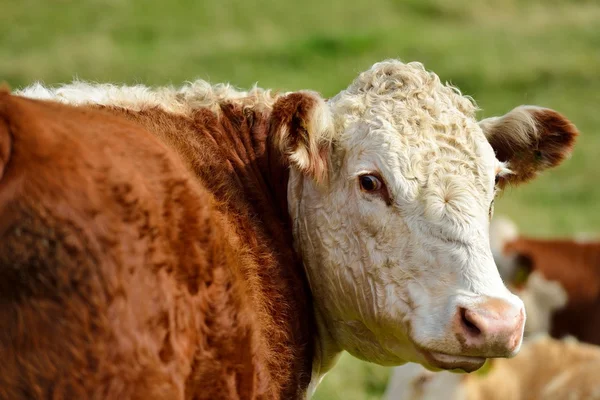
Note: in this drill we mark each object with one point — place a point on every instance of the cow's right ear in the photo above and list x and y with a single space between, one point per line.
302 130
5 136
529 140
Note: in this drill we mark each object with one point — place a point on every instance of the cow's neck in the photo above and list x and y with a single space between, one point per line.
271 168
263 180
230 151
260 169
280 183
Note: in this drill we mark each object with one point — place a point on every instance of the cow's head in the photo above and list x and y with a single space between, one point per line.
391 191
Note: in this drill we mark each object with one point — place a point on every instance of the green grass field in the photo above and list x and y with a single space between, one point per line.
503 53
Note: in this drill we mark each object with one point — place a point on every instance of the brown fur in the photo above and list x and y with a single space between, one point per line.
147 255
291 115
531 148
576 266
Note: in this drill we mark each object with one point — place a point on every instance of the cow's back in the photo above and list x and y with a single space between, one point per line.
116 266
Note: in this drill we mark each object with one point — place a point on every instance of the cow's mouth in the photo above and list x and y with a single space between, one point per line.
447 361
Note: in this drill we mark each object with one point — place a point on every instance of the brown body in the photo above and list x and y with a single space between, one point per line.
576 266
146 255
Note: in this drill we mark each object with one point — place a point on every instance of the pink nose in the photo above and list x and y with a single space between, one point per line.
492 328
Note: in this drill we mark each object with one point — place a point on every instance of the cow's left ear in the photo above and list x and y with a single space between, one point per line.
302 130
529 140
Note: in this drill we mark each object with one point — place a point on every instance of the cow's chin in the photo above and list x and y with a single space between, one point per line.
439 361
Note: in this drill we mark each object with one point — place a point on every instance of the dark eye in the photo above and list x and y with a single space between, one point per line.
496 179
370 183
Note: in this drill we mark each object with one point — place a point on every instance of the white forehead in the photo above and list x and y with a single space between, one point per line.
402 118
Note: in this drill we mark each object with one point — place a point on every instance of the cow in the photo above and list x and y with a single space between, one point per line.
544 369
574 264
204 242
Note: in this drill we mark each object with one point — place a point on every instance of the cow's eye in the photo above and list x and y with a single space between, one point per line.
370 183
497 179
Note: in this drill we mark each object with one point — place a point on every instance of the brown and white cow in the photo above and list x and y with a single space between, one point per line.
155 243
571 263
545 369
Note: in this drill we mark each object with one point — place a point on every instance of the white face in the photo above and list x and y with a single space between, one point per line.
396 244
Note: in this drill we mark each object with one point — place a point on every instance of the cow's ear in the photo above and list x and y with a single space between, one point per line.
302 130
5 135
529 140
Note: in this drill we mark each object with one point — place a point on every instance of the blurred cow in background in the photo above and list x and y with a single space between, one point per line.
545 369
571 263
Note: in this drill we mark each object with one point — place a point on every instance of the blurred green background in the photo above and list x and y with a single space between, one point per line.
501 52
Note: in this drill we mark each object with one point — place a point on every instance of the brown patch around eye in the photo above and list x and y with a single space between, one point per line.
373 184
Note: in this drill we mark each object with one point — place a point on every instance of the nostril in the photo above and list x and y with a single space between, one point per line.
468 323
